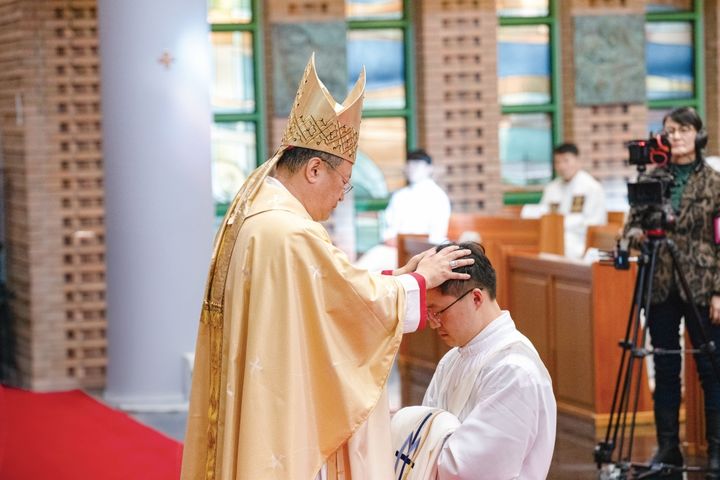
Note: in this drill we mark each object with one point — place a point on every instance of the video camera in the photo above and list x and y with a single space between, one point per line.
655 149
650 195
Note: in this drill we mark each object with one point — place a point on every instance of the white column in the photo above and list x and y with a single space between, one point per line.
159 211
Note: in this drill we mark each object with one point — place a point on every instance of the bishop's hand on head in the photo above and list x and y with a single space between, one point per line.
437 267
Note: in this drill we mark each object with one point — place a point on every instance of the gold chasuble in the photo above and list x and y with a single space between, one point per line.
295 344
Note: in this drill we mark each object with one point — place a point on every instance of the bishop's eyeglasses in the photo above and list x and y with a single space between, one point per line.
347 186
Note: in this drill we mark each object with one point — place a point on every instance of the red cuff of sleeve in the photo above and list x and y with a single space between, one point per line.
423 306
387 272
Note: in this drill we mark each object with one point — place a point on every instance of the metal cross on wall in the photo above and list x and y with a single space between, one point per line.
166 59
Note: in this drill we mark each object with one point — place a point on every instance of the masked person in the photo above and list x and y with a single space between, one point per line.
295 344
422 207
695 201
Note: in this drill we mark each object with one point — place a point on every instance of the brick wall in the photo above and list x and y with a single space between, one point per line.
16 330
53 192
458 99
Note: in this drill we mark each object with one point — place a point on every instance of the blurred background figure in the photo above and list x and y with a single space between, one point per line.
420 208
576 195
714 162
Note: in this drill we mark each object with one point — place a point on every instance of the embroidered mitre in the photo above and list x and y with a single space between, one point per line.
318 122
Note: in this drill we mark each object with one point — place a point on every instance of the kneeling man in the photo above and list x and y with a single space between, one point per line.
493 381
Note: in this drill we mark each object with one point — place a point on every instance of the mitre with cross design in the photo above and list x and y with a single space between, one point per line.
318 122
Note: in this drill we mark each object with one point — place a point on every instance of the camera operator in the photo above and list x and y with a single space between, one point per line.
695 200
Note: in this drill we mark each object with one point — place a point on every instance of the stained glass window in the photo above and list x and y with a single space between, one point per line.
385 86
229 11
669 60
524 64
523 8
232 82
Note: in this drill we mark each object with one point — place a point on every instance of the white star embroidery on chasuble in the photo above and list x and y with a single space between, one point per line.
255 366
275 462
316 273
390 293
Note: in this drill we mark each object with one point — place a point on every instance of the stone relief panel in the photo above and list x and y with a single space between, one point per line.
292 45
609 59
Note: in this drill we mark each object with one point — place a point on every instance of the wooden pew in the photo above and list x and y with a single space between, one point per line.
501 236
616 216
602 236
575 314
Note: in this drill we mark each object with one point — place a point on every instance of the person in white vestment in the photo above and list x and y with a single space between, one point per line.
493 381
422 207
575 194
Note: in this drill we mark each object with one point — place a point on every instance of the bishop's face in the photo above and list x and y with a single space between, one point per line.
333 186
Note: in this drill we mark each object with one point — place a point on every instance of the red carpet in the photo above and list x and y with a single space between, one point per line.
71 436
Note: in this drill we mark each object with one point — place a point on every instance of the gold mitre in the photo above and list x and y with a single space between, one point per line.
318 122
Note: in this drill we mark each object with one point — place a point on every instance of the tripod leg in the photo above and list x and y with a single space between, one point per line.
638 341
617 419
634 341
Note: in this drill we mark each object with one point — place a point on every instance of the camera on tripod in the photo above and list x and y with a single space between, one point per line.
649 195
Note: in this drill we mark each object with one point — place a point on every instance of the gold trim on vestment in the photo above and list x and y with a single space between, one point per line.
212 311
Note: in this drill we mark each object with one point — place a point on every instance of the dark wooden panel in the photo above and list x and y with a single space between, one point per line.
575 314
530 313
573 343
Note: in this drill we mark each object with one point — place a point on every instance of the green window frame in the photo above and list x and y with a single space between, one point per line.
695 18
257 116
408 112
553 107
370 206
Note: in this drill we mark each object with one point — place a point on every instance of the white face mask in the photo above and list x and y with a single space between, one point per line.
417 171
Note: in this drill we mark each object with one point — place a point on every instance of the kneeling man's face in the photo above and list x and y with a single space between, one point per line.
452 316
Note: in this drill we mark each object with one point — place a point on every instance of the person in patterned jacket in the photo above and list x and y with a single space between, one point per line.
695 201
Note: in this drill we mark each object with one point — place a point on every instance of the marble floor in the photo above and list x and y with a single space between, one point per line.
574 446
573 458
